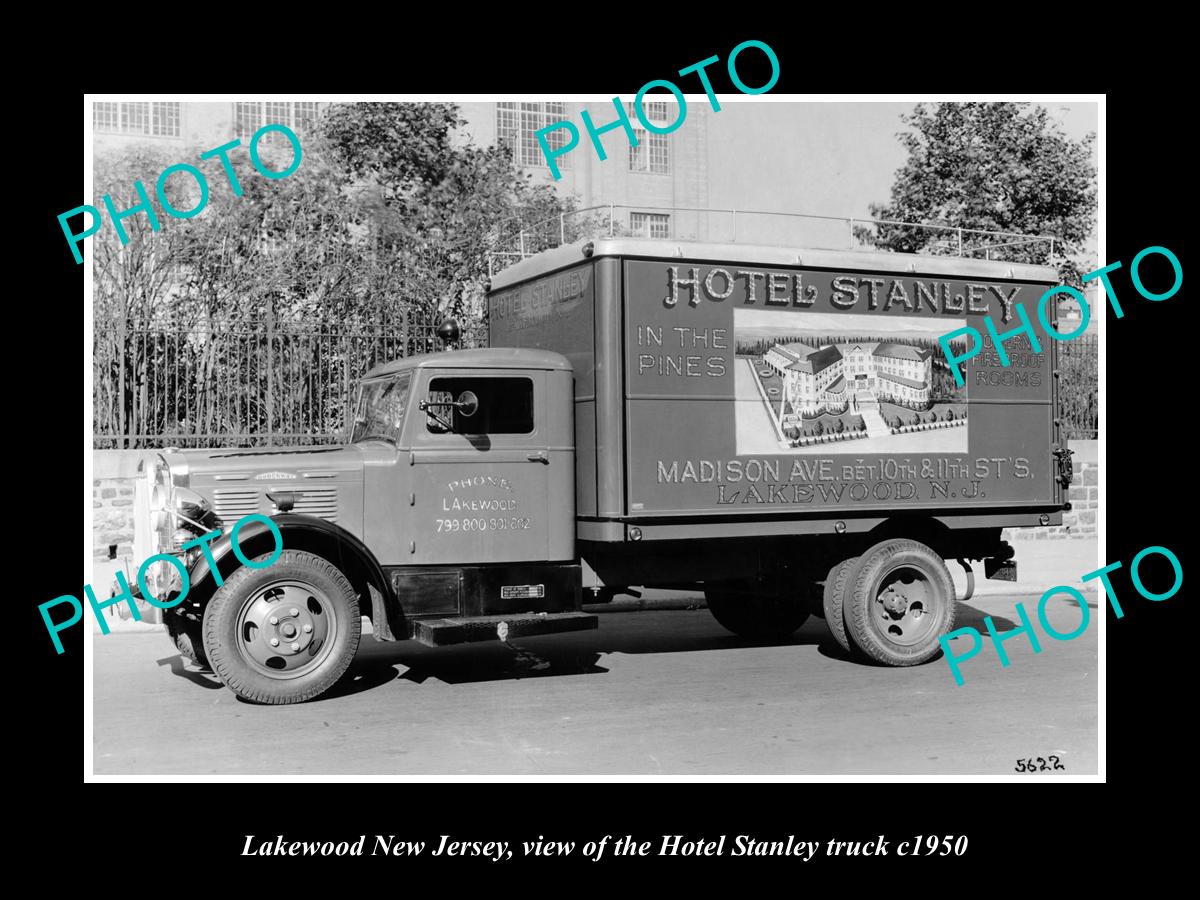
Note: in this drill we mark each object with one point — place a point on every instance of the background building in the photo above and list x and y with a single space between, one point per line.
645 186
826 160
117 124
650 187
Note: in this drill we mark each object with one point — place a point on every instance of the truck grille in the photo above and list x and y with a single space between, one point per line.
230 504
321 502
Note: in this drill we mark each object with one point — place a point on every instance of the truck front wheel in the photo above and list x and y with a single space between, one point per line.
284 633
757 616
899 599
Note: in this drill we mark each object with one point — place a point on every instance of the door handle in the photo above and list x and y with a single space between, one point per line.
541 456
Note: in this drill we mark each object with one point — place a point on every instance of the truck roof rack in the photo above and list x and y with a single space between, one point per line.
516 240
849 260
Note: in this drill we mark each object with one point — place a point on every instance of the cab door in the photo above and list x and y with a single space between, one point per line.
482 477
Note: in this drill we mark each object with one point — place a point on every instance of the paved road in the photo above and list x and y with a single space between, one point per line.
651 693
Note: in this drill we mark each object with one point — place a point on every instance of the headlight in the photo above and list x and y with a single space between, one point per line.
159 500
188 503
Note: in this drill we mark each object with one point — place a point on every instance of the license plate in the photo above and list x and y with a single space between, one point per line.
522 591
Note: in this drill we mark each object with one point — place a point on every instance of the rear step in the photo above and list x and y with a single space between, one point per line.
440 632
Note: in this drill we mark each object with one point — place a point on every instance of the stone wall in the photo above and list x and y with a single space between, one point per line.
1084 496
112 516
114 473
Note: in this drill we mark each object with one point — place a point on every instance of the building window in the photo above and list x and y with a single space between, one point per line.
249 117
652 225
141 117
517 125
653 151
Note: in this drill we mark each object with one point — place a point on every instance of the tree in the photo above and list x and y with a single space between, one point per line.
995 167
446 208
387 225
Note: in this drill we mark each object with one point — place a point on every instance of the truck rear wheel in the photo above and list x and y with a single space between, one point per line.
757 616
899 599
833 600
285 633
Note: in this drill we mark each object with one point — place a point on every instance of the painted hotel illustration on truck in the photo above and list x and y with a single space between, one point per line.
824 380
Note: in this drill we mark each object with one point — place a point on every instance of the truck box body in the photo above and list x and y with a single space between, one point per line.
703 371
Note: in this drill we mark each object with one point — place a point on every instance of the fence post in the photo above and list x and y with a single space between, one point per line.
610 220
404 332
122 358
562 228
270 369
347 399
1051 248
851 232
960 242
522 243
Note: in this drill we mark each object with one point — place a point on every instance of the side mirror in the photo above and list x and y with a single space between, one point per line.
467 404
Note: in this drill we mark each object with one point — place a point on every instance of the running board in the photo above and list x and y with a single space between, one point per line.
441 632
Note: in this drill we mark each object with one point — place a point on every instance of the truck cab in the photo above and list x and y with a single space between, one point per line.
447 517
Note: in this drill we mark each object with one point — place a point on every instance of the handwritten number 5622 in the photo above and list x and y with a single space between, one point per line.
1039 764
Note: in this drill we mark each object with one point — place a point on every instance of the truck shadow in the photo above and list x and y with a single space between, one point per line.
378 663
968 617
190 671
581 653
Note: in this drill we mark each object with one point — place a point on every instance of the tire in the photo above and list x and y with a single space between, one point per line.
899 600
315 610
756 616
188 638
834 598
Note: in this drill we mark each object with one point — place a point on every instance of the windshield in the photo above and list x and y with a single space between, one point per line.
381 407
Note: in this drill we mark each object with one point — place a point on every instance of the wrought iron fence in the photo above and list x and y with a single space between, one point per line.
243 384
265 383
1078 391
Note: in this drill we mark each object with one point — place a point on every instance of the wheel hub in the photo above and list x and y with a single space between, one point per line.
894 601
901 610
285 628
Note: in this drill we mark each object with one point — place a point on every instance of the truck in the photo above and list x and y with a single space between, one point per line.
776 427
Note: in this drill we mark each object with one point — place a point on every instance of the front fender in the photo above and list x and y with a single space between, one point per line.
311 534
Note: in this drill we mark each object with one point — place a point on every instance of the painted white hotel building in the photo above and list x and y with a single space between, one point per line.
824 379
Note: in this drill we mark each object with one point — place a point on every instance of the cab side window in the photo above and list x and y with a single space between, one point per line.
505 405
